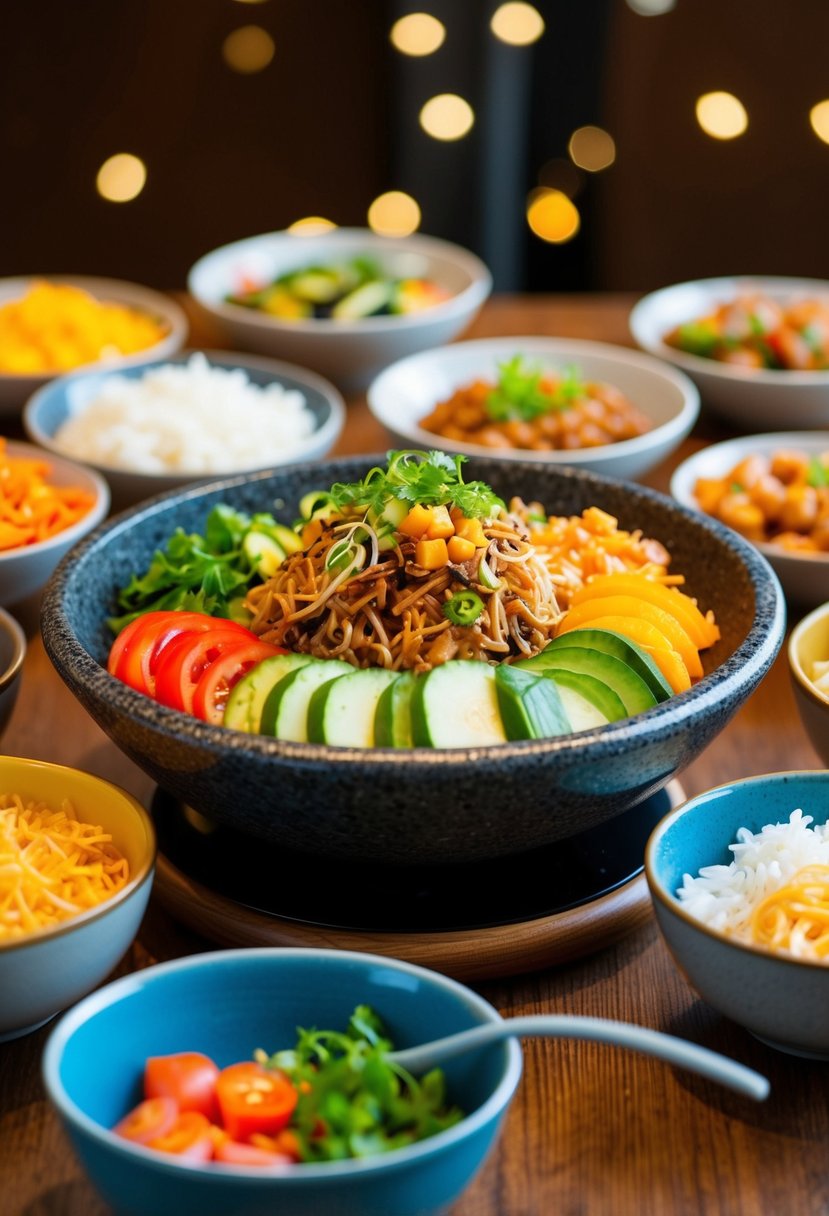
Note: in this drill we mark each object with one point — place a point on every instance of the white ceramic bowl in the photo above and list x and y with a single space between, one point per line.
16 390
52 405
405 393
750 399
348 352
26 570
43 973
805 580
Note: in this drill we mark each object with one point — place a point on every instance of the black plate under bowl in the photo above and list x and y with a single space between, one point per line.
405 899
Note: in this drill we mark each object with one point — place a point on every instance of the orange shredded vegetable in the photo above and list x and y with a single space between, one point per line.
32 509
52 866
796 917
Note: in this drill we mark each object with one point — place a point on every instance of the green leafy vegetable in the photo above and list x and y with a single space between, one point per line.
429 478
463 608
698 338
519 393
206 573
817 474
352 1101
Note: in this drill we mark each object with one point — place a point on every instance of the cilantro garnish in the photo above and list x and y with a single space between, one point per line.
429 478
519 393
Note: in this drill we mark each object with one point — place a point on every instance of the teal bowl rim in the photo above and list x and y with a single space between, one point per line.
672 904
142 875
497 1102
14 629
792 653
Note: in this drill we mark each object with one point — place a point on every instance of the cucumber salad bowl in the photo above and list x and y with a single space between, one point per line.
341 740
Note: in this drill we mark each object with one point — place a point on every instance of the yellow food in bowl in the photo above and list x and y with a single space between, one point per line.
56 327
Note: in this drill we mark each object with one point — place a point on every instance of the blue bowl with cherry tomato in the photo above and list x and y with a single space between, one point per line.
175 1092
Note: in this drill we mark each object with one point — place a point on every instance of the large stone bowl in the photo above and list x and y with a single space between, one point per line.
418 806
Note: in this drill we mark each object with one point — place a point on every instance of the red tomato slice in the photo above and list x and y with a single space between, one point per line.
126 636
192 1137
231 1152
149 1120
188 1077
183 661
215 683
254 1099
138 661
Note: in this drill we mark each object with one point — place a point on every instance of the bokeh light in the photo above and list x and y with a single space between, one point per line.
560 173
248 49
121 178
721 115
447 116
651 8
418 34
394 214
592 148
552 216
819 118
517 24
311 225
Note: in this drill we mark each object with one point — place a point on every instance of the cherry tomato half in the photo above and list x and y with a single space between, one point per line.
232 1152
192 1137
184 659
188 1077
149 635
254 1099
151 1119
212 690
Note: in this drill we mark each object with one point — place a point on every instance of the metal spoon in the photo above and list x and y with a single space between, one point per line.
680 1052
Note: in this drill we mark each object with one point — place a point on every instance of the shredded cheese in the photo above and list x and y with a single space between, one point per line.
52 866
795 918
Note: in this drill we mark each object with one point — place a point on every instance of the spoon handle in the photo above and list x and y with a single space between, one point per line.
676 1051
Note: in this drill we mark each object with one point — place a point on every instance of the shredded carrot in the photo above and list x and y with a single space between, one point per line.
52 866
796 917
32 509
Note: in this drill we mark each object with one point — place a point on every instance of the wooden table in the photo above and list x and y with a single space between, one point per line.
593 1131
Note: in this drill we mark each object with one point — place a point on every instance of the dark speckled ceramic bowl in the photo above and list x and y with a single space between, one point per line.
420 805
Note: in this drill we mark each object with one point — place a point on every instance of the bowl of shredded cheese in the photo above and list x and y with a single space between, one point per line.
77 858
739 877
56 324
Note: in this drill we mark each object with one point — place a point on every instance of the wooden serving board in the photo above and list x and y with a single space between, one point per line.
467 955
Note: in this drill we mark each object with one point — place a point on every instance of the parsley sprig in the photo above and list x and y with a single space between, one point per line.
520 393
429 478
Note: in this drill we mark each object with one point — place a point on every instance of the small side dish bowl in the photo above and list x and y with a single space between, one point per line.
349 352
227 1004
803 576
25 570
44 972
15 390
780 998
749 398
809 644
67 397
405 393
12 654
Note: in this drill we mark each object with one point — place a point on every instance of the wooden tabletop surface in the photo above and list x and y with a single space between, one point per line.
593 1131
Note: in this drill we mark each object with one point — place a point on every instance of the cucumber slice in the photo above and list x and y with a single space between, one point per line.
631 689
456 705
285 537
608 642
598 694
582 713
343 711
247 698
530 705
264 553
366 301
285 712
393 721
316 286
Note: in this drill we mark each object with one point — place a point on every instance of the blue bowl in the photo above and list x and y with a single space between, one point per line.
228 1003
780 999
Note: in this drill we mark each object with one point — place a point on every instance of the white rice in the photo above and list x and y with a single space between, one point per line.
187 418
723 897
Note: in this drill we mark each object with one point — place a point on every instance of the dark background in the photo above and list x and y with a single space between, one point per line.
332 122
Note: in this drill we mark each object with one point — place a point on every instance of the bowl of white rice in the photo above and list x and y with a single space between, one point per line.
739 878
187 419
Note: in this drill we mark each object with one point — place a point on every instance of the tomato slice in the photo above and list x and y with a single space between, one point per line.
214 685
184 659
188 1077
254 1099
192 1137
137 662
151 1119
232 1152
